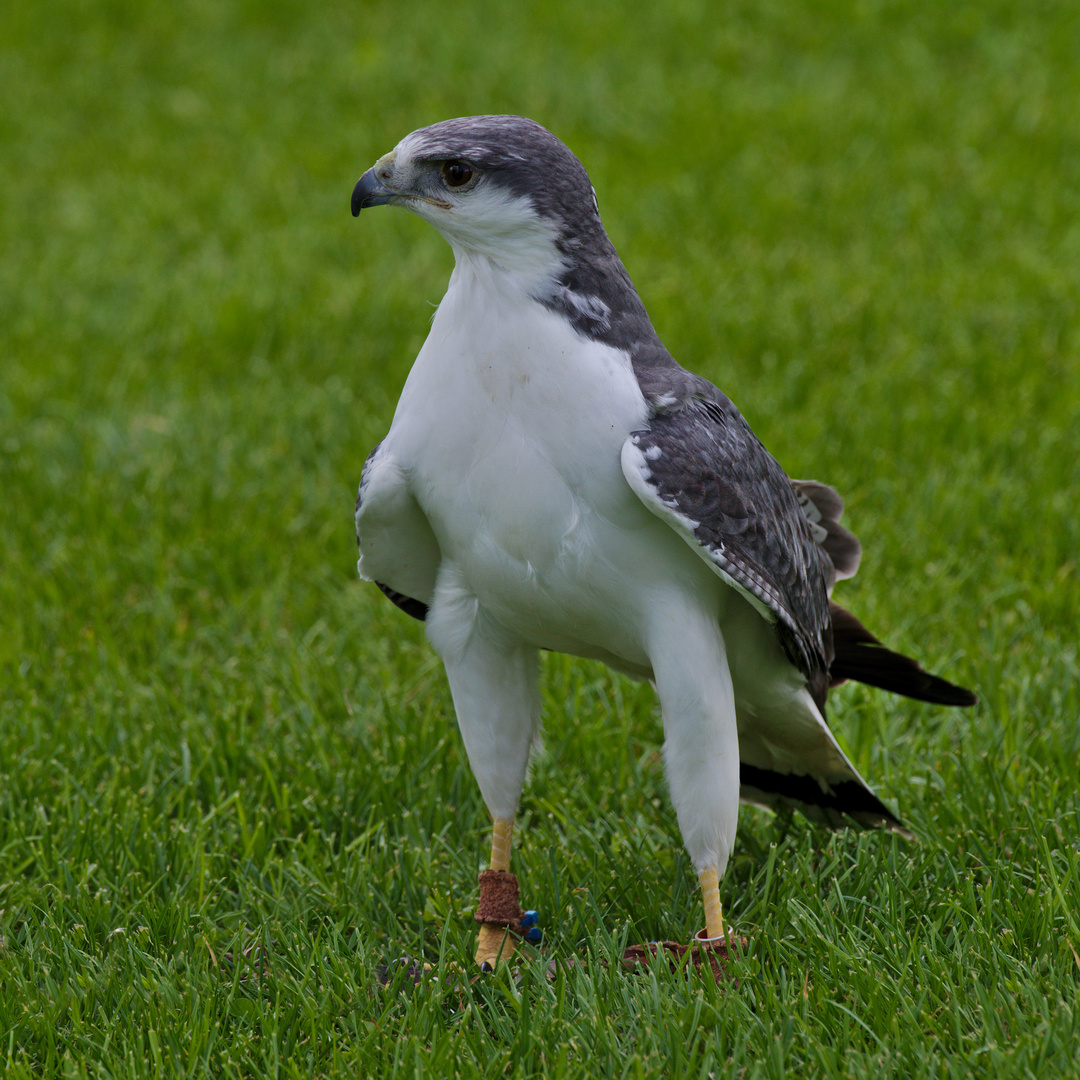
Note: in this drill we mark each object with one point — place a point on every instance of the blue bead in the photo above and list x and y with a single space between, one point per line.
534 936
530 918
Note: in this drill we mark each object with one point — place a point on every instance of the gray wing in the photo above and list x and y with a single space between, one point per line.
700 467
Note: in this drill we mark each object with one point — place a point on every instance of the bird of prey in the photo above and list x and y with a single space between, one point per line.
554 480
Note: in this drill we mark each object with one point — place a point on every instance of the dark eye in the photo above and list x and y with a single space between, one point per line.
456 173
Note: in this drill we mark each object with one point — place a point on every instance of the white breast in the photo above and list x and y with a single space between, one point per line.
511 426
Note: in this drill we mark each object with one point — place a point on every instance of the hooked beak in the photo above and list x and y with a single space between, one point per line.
370 191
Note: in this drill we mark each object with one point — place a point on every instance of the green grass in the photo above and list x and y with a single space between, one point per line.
230 781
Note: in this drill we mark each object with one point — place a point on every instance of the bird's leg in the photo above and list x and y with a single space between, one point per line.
494 942
502 837
710 895
701 745
494 680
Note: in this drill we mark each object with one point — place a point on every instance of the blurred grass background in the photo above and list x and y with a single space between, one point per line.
230 782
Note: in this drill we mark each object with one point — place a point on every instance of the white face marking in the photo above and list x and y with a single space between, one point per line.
479 220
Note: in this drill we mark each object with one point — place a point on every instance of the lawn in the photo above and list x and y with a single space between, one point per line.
231 786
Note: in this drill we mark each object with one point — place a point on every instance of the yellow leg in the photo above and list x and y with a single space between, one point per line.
501 839
710 894
493 942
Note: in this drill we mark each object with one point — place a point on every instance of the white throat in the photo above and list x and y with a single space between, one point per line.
501 233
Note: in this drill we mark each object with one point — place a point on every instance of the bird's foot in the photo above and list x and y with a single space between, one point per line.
502 921
704 953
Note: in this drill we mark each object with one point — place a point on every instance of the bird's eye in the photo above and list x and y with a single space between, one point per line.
456 173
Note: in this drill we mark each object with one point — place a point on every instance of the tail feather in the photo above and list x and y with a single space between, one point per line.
840 804
860 656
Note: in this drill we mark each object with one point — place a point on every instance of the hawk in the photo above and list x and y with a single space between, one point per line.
553 480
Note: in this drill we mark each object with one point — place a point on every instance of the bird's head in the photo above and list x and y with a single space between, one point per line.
502 187
505 190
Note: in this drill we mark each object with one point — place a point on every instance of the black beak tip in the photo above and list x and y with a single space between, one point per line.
369 191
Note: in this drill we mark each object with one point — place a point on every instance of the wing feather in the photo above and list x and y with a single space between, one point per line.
700 468
398 550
